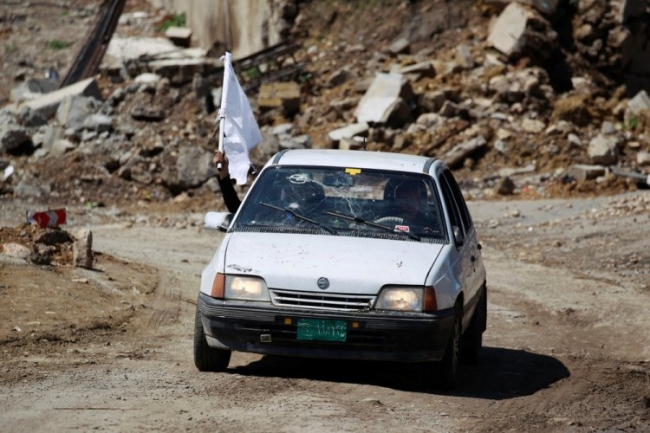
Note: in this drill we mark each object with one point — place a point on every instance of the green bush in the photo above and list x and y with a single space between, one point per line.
177 20
57 44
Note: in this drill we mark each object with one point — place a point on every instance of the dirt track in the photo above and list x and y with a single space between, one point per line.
567 346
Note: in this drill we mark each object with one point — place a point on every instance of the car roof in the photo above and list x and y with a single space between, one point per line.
354 159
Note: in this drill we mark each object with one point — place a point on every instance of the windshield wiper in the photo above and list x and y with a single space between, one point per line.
299 216
372 224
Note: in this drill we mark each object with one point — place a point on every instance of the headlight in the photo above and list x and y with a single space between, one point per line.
400 299
246 288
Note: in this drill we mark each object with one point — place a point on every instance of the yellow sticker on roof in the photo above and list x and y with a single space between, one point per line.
352 171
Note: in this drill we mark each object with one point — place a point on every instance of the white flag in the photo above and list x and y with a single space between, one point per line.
239 129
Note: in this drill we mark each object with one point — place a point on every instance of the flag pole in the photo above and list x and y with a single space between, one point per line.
224 93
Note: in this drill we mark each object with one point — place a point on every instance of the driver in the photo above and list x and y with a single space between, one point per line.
410 205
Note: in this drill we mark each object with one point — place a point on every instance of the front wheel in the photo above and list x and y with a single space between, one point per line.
442 374
207 358
472 341
448 366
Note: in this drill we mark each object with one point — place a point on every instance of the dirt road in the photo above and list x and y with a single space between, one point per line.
567 346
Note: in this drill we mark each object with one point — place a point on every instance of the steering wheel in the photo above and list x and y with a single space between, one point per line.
389 219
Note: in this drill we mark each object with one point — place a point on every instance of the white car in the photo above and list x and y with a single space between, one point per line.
346 255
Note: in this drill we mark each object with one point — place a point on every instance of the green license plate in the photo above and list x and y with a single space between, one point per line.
322 330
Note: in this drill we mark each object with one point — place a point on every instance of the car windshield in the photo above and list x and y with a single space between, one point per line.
343 202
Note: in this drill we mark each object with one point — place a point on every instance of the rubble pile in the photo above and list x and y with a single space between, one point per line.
518 97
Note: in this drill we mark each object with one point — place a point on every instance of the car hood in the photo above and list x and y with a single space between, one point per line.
351 264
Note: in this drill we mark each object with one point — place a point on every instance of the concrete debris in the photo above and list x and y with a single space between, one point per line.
387 97
284 96
584 172
180 36
641 101
48 104
82 251
477 98
348 132
519 30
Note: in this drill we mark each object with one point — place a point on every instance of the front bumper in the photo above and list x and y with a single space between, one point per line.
380 336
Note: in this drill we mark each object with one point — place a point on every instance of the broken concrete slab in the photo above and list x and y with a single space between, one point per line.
348 132
47 104
547 7
384 97
280 95
582 172
180 36
422 69
458 154
603 149
641 101
518 27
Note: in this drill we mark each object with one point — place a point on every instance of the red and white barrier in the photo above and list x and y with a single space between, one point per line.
51 218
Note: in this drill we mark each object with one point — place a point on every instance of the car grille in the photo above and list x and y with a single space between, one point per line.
319 301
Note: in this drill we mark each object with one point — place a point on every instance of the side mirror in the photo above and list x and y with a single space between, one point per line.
459 237
217 221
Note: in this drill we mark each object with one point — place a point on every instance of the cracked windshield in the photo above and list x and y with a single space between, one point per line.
343 201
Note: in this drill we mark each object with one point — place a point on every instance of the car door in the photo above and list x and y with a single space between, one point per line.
474 273
461 262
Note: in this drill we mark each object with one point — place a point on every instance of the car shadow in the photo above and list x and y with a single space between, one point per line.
502 373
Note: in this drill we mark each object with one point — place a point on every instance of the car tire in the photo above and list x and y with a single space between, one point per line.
448 366
207 358
472 341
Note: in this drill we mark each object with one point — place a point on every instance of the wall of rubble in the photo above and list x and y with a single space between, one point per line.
243 26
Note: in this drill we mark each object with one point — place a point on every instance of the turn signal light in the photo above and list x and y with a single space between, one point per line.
430 302
218 286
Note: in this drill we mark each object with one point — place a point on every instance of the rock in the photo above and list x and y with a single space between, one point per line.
74 109
13 138
30 118
464 57
641 101
449 109
643 159
582 172
284 96
16 250
603 149
339 77
418 70
350 131
47 104
518 30
385 99
180 36
505 186
532 126
574 140
429 120
82 249
194 166
432 101
458 154
400 46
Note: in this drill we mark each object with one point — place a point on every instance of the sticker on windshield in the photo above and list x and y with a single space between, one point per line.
402 229
353 171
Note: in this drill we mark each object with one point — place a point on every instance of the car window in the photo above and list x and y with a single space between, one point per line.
343 201
450 202
460 200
